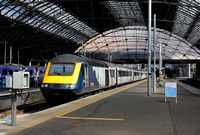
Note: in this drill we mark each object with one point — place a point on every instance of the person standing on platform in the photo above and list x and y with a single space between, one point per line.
40 77
8 74
35 80
8 81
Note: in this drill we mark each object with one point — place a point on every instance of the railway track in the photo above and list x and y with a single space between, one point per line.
24 109
27 109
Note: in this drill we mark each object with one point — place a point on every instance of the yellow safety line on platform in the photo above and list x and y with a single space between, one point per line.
93 101
185 87
66 111
84 118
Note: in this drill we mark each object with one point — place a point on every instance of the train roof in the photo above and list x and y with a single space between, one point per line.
76 58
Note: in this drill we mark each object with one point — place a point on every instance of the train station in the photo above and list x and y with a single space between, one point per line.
84 67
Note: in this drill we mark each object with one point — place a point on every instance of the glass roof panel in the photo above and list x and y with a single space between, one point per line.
195 34
48 17
41 4
133 41
128 13
185 17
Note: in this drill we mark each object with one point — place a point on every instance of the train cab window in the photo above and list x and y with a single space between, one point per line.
4 72
61 69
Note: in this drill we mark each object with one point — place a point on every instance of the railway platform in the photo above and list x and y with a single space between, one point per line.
125 110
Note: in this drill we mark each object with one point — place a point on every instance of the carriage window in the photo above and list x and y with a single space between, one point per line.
4 72
112 73
11 72
125 73
136 74
61 69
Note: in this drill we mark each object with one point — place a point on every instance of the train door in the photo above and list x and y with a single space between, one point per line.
86 76
106 77
111 77
116 76
84 71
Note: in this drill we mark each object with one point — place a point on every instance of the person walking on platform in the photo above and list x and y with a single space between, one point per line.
35 80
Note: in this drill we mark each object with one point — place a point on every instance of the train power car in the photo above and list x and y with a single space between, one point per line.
70 75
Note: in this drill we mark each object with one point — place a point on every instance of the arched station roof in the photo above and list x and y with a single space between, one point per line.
41 29
130 44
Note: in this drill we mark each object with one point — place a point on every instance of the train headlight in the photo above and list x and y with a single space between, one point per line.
46 85
67 86
42 85
72 86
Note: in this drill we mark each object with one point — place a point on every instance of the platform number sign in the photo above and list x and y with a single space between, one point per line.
170 90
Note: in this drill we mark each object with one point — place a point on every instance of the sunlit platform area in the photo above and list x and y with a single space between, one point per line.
123 110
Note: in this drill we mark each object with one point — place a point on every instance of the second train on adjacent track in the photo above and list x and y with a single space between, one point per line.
67 75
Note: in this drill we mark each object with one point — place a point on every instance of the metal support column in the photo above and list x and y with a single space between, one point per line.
14 108
84 51
89 55
160 60
154 69
30 63
110 58
18 57
149 49
10 55
189 71
5 54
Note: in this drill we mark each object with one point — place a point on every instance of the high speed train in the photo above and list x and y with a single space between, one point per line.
71 75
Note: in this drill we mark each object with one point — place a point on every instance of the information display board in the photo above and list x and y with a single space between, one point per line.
170 90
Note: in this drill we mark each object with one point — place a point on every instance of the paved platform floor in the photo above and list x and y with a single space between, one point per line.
125 110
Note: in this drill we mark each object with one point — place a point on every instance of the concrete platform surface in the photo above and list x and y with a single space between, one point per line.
125 110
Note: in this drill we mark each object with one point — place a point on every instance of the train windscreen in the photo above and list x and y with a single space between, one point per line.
61 69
